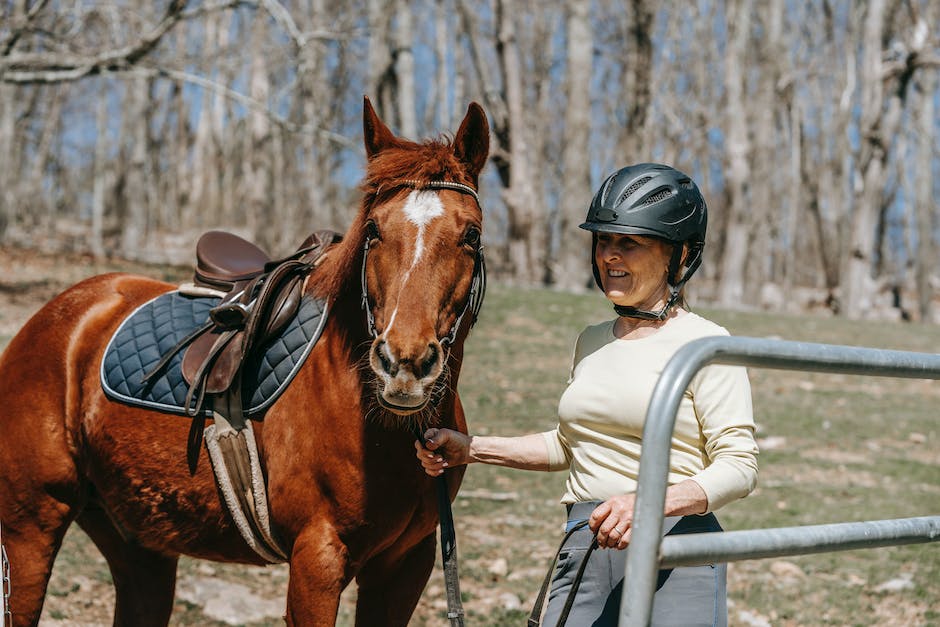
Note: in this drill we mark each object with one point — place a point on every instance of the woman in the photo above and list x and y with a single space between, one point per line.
648 223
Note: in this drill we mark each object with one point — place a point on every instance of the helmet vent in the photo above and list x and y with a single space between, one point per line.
635 186
660 194
610 182
686 183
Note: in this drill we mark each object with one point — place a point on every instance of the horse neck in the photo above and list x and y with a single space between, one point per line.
337 279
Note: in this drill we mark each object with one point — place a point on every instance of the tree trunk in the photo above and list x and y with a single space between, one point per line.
925 258
258 157
136 210
405 70
572 268
638 80
102 177
737 238
765 206
519 196
381 83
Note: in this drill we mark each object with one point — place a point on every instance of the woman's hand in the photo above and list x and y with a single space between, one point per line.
612 521
443 448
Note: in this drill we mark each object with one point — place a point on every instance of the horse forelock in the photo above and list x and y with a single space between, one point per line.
433 160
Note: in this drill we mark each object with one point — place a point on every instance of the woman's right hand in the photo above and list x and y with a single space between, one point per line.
443 448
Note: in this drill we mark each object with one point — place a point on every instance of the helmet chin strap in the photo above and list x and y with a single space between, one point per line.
642 314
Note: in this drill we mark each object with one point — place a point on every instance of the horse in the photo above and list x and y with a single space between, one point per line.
346 498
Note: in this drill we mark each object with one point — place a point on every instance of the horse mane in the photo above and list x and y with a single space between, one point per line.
386 172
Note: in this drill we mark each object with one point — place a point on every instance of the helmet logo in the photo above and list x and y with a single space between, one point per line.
606 215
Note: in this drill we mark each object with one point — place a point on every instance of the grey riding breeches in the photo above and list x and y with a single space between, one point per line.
686 596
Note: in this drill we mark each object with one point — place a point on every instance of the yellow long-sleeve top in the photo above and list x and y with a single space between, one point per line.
602 411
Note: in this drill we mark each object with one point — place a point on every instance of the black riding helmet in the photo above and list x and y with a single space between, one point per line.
654 200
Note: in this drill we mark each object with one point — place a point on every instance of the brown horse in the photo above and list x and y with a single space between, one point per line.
346 498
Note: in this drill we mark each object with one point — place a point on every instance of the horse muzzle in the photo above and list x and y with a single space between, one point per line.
406 374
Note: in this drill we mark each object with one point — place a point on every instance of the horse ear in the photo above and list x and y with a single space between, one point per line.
472 142
377 136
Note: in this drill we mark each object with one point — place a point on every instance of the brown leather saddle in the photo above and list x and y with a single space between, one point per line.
259 295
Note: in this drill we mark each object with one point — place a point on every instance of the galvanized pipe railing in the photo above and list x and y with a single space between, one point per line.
643 555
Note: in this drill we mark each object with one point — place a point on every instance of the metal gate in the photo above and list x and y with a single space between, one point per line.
649 551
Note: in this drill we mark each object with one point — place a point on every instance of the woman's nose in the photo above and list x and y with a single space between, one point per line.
609 251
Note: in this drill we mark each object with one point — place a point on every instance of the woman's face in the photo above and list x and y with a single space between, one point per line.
633 269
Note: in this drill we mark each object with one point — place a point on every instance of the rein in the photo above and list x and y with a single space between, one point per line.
478 282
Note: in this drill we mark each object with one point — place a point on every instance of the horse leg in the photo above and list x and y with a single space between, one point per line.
389 588
144 581
31 548
318 575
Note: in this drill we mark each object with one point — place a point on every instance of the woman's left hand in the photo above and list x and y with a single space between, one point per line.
612 521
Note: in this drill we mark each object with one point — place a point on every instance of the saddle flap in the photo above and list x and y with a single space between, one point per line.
215 358
281 310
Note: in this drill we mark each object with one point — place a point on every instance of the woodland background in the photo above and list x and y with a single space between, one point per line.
129 127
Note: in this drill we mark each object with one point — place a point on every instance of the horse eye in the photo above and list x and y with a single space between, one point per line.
472 237
372 231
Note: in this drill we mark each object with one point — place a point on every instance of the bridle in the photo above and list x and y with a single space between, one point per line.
477 283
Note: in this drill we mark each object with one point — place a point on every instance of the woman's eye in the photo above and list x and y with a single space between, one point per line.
372 231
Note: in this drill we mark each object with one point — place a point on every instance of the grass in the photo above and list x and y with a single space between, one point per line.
835 448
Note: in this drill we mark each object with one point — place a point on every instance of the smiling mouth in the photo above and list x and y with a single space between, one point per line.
616 273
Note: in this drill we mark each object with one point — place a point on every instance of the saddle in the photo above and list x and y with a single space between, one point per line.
260 296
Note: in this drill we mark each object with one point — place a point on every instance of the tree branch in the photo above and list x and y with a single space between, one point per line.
46 68
17 30
247 101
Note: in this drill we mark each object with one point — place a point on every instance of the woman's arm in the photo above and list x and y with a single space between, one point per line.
444 448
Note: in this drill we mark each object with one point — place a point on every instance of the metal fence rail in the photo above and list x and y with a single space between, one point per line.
643 556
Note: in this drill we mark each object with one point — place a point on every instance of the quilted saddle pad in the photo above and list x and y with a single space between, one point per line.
158 325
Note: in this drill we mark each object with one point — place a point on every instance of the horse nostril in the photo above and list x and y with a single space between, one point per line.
387 365
429 361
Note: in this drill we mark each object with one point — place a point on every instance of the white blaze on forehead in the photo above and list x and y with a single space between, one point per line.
420 208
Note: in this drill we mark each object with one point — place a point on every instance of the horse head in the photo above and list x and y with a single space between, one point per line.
422 266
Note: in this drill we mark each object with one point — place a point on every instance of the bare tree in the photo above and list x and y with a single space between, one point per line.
927 223
738 149
885 87
571 267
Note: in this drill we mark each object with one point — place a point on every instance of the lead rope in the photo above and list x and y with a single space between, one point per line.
6 585
455 611
536 614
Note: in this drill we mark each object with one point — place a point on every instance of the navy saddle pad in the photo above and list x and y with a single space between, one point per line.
157 326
